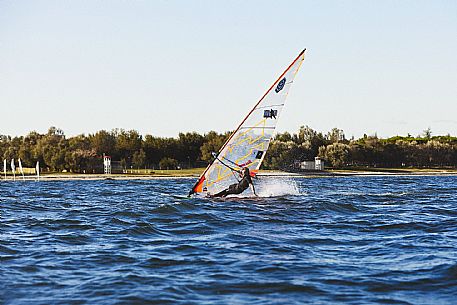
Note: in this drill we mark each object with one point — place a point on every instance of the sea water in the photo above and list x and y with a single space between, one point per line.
343 240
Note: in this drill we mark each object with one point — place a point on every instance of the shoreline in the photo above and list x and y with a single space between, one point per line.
175 175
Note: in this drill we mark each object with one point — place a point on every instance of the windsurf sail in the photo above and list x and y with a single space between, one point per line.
248 144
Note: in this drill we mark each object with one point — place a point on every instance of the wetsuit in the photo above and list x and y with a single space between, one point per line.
236 188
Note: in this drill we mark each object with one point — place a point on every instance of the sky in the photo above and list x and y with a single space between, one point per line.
163 67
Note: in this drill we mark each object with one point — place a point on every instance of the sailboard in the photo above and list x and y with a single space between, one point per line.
248 144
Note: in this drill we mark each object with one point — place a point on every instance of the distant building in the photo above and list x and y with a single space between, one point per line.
316 165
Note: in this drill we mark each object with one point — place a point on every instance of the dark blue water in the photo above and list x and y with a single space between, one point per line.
351 240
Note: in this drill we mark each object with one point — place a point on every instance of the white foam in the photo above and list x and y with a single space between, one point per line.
274 186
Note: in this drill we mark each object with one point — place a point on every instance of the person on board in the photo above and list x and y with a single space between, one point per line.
239 187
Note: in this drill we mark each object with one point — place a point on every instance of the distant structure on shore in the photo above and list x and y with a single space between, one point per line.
316 165
106 164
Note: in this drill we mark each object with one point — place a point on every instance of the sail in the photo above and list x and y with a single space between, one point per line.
248 144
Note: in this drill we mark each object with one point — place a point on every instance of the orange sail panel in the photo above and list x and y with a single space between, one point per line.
248 144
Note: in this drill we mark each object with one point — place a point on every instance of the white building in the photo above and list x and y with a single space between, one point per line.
316 165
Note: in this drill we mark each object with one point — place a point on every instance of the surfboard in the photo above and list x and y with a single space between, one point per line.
181 197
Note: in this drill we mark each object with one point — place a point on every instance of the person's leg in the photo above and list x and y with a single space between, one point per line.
232 189
221 194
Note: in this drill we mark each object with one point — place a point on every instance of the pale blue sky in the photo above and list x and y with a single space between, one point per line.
162 67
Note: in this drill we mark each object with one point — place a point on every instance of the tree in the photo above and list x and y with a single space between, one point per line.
127 143
337 154
336 135
189 147
51 148
81 156
212 143
139 159
103 142
12 147
157 148
168 163
283 137
428 133
313 139
282 155
27 151
123 163
306 133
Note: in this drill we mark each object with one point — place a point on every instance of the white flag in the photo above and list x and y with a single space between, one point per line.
20 169
37 169
13 168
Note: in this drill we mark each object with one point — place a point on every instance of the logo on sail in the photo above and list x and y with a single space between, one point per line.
280 85
259 154
270 113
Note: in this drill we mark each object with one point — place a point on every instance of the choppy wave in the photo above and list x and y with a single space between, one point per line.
349 240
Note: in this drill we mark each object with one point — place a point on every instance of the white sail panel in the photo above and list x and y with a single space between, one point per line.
248 145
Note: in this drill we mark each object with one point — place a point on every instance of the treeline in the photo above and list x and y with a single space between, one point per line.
83 153
369 151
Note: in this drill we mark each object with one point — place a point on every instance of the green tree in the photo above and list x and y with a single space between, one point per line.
103 142
428 133
168 163
337 154
312 138
189 147
336 136
139 159
127 143
51 148
212 143
156 148
123 163
283 137
282 155
81 156
27 151
11 150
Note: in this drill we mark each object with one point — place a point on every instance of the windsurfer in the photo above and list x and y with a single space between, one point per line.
247 145
239 187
